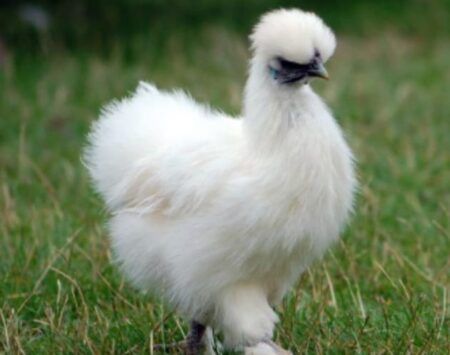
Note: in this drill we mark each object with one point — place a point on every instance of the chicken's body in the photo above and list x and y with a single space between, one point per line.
220 215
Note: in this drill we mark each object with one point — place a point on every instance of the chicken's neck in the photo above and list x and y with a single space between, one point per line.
273 113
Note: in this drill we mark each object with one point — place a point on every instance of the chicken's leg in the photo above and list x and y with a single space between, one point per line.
194 341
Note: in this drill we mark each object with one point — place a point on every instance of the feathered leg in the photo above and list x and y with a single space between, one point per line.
247 320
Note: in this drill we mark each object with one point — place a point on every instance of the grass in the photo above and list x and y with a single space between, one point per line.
383 289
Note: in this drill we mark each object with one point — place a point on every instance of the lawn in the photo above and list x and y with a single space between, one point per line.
384 288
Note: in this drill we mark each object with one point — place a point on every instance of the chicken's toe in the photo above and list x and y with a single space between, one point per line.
266 348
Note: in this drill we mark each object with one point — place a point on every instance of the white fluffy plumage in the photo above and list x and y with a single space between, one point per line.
220 215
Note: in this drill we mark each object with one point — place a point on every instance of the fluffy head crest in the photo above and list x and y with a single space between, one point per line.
294 35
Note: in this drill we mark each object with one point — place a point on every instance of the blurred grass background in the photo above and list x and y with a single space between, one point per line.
383 289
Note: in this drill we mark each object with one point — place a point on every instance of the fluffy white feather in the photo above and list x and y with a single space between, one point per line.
220 215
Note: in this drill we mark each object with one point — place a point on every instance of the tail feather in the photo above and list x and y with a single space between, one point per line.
124 151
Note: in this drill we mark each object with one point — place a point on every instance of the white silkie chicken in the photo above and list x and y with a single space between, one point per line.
219 215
